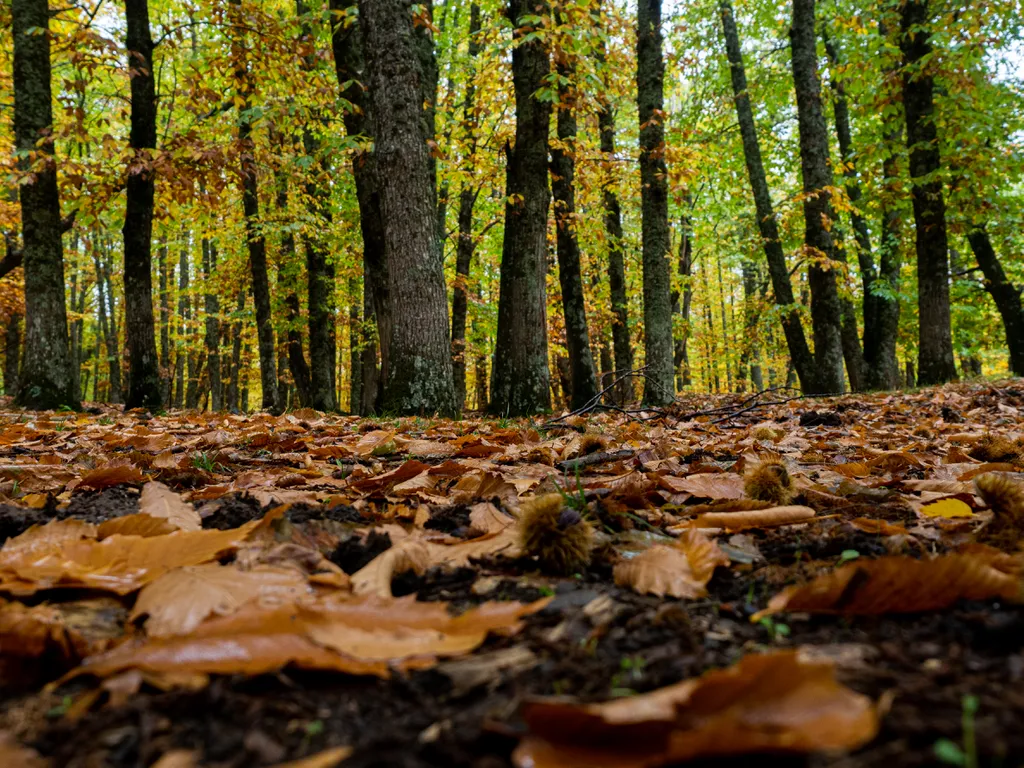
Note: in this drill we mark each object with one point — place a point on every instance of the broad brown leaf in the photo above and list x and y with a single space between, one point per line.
681 570
900 585
105 477
157 500
765 703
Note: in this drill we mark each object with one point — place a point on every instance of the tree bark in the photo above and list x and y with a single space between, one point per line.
140 329
319 269
184 315
467 200
287 281
105 317
582 375
355 343
621 344
796 341
419 379
1005 294
935 339
658 349
46 379
831 345
212 310
682 300
346 43
255 240
520 377
12 353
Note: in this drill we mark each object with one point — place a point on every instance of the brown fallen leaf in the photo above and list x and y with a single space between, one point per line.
14 755
681 570
326 759
883 527
375 577
135 525
157 500
178 758
119 564
365 636
115 474
487 518
725 485
759 518
181 600
766 703
900 585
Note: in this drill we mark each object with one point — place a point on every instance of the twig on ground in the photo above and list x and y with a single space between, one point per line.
595 458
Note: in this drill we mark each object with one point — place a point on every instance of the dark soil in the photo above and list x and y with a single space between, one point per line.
98 506
15 520
923 664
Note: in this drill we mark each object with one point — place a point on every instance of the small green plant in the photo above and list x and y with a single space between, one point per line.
546 591
204 461
847 555
577 499
105 421
951 753
776 629
60 709
631 670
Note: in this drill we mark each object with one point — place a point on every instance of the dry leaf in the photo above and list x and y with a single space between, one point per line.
899 585
366 636
178 758
105 477
135 525
181 600
766 703
375 577
681 570
759 518
326 759
14 755
726 485
487 518
157 500
947 508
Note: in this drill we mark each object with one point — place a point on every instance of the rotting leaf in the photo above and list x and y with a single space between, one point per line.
766 703
900 585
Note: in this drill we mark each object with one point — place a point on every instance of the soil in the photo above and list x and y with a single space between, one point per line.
922 666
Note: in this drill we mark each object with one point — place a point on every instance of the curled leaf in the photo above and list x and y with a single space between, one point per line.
682 570
758 518
157 500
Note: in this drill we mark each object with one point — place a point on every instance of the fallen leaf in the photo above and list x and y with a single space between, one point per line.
758 518
766 703
365 636
157 500
725 485
179 601
487 518
375 577
899 585
135 525
326 759
947 508
681 570
105 477
14 755
178 758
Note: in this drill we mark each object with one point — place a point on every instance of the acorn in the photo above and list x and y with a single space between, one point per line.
769 481
1005 496
556 534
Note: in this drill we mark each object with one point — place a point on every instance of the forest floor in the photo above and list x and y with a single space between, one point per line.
310 590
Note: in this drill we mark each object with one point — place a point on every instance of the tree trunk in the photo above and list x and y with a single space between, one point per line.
882 366
467 199
234 388
105 311
12 353
935 363
255 240
212 309
650 79
165 274
140 330
419 378
1005 294
563 172
287 280
682 300
796 341
347 45
46 379
826 307
319 269
621 344
355 342
520 378
184 315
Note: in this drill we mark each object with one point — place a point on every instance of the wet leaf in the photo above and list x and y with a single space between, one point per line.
157 500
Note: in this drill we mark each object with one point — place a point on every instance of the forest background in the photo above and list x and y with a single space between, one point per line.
270 280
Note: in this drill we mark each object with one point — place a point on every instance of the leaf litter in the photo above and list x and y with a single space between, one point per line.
830 578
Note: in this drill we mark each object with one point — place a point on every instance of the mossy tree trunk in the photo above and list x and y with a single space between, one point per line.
46 379
520 377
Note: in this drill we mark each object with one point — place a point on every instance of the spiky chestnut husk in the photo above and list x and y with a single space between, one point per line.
767 432
555 534
1006 498
769 481
996 448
